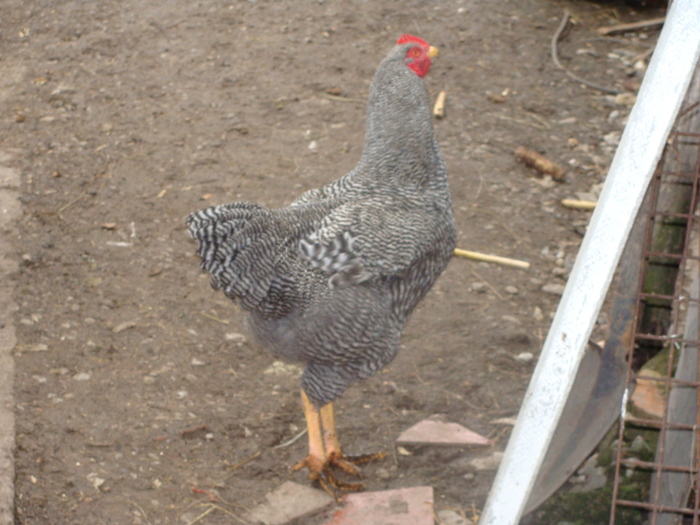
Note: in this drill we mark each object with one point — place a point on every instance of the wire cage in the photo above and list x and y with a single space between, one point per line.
666 322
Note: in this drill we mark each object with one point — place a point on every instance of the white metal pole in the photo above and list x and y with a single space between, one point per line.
640 148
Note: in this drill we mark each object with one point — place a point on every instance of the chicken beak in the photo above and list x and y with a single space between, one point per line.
433 52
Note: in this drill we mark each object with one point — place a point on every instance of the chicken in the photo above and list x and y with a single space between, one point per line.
330 280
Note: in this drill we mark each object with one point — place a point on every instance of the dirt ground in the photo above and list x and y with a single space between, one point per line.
136 387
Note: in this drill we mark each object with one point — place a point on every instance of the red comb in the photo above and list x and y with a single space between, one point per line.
403 39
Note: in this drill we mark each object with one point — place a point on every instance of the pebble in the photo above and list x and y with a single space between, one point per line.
383 474
612 138
553 288
512 290
524 357
280 368
639 446
239 338
625 99
82 376
487 463
590 476
478 287
537 314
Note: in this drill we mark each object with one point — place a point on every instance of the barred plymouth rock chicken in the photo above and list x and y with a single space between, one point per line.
330 280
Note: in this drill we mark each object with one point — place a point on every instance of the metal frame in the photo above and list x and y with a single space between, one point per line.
674 340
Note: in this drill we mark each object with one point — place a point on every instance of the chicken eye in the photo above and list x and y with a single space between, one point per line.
414 52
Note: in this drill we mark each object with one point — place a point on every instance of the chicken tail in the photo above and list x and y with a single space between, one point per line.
236 244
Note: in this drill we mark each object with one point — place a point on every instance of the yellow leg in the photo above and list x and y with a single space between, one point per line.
316 460
330 435
324 449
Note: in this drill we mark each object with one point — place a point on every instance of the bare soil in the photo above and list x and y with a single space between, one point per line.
139 399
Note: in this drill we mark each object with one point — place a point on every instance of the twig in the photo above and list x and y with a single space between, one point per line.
240 464
491 258
239 520
642 56
202 515
214 318
439 108
291 441
64 208
621 28
143 512
578 205
488 284
555 59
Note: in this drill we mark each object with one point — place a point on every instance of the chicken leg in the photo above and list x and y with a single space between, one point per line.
324 450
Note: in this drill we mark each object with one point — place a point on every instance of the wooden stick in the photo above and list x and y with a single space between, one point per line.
540 163
578 205
439 108
621 28
491 258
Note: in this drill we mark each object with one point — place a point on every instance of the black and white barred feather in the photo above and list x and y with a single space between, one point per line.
331 279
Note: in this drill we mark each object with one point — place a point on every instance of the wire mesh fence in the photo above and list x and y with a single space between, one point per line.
666 324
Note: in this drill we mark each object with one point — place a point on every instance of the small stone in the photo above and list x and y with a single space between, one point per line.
383 474
196 362
313 145
639 445
82 376
96 481
625 99
512 290
612 138
590 476
123 326
238 338
524 357
488 463
553 288
280 368
149 380
478 287
537 314
182 394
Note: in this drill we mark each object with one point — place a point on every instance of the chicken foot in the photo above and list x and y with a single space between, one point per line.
325 451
